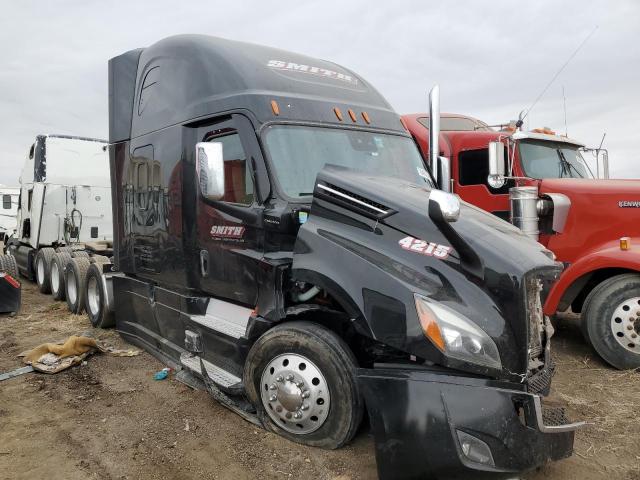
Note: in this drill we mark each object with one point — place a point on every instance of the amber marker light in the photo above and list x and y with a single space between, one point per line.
275 107
338 113
625 243
352 114
429 325
365 116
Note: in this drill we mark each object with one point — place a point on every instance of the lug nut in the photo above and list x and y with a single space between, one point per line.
629 327
305 394
304 407
279 379
289 378
297 415
273 386
300 384
633 335
273 398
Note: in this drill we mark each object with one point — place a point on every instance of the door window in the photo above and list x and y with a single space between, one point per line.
473 169
238 182
6 202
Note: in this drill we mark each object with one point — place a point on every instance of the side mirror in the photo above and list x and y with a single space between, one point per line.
444 205
496 165
210 169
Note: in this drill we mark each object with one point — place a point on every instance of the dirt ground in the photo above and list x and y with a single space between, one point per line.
109 419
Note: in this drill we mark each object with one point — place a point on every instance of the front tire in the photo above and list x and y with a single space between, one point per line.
96 299
611 320
75 274
43 269
299 374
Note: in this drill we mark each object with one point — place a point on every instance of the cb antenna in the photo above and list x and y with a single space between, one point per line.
564 104
524 114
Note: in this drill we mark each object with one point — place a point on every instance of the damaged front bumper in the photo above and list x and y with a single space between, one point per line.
10 294
432 425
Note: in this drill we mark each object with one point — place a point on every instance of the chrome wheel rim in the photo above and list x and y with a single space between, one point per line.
93 296
625 324
55 277
72 290
40 271
295 394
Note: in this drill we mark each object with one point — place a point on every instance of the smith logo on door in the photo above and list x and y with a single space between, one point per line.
224 231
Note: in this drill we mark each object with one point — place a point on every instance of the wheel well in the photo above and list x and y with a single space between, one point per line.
366 349
577 293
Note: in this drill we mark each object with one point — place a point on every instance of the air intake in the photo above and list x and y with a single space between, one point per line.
354 201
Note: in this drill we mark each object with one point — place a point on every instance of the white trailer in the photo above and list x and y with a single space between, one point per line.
8 210
64 210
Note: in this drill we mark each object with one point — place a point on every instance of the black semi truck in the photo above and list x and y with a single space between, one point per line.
277 237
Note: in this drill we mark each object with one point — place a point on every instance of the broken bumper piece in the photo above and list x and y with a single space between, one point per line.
433 426
10 293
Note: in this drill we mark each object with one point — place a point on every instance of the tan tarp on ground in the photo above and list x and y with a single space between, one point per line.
55 357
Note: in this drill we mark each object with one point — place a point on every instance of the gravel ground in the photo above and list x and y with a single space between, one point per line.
109 419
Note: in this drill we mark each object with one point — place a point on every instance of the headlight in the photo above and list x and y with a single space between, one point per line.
455 335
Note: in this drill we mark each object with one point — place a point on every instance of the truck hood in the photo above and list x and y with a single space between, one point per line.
354 245
618 190
600 211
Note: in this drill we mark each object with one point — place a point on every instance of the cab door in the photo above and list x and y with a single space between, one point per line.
229 237
471 171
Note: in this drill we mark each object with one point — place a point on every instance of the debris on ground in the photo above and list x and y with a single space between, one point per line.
162 374
55 357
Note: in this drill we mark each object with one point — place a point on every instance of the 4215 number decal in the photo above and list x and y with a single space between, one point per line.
422 247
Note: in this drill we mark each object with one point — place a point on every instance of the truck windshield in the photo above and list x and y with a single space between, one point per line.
298 153
552 160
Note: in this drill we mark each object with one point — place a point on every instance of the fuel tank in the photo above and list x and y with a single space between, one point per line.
373 238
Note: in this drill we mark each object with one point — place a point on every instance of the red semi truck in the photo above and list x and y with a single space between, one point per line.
541 182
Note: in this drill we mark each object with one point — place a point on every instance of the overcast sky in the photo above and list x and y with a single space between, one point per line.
491 59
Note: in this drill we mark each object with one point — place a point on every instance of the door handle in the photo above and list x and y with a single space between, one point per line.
204 263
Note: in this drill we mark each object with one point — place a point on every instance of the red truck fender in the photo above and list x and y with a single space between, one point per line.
607 256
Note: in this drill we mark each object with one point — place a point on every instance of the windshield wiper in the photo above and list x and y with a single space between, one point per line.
567 166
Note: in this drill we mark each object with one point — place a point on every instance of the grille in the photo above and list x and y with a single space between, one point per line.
554 416
540 383
533 287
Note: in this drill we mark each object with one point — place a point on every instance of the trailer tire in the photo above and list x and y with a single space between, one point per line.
96 299
75 275
607 325
8 265
79 254
335 367
99 259
43 269
58 264
65 249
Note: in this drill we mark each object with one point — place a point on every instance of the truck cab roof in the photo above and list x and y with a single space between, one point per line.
148 87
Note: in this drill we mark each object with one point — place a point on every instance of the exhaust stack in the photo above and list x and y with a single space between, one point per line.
434 130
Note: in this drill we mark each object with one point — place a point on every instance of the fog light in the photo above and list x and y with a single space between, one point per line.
475 449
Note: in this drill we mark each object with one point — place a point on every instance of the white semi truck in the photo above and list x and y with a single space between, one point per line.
8 210
64 220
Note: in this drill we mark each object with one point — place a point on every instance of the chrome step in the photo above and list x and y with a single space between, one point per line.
225 317
217 374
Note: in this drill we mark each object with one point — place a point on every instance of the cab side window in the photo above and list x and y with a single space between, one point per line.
473 169
6 202
237 170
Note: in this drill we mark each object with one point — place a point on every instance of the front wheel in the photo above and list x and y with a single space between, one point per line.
302 379
611 320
